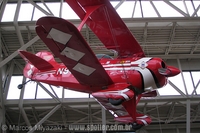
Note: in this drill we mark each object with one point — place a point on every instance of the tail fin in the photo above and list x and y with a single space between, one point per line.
42 60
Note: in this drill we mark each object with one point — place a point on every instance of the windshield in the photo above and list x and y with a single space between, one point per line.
103 56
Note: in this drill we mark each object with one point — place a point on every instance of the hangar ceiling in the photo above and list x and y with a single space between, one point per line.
175 39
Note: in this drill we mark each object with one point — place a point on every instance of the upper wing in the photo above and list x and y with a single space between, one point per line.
66 42
104 21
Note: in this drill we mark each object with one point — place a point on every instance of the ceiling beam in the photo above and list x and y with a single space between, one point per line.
126 20
38 7
2 63
45 118
119 4
170 113
171 38
155 9
176 8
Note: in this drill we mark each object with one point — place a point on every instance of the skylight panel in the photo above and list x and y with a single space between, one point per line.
179 84
41 94
126 9
148 10
137 13
165 10
190 7
25 13
13 91
180 5
188 82
30 90
195 75
196 79
114 3
68 13
198 90
38 14
54 7
167 90
75 94
9 12
197 4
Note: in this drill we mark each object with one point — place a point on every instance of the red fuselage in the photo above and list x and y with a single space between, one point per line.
142 73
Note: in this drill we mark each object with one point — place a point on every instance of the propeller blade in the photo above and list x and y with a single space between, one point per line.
169 71
164 71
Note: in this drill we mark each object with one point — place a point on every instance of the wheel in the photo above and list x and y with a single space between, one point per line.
20 86
115 102
135 126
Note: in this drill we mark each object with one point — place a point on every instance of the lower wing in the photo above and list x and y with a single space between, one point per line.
121 101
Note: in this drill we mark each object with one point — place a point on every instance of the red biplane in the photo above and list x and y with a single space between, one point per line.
117 84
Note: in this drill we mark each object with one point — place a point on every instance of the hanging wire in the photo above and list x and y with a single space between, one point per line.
125 74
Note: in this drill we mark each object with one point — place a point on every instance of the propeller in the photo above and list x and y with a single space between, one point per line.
169 71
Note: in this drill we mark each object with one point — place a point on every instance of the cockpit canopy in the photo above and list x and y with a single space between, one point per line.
103 56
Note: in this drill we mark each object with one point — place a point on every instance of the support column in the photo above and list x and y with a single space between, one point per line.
188 116
61 8
177 130
103 118
21 99
2 107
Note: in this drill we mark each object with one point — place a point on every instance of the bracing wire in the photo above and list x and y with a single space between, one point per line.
125 74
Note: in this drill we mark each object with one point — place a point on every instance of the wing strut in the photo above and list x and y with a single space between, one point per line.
131 110
89 11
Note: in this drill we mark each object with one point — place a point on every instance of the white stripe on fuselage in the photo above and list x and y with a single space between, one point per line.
147 77
137 65
146 59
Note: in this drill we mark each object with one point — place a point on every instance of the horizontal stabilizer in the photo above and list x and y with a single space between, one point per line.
38 62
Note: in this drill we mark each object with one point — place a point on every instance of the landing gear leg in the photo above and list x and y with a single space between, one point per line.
135 126
115 102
